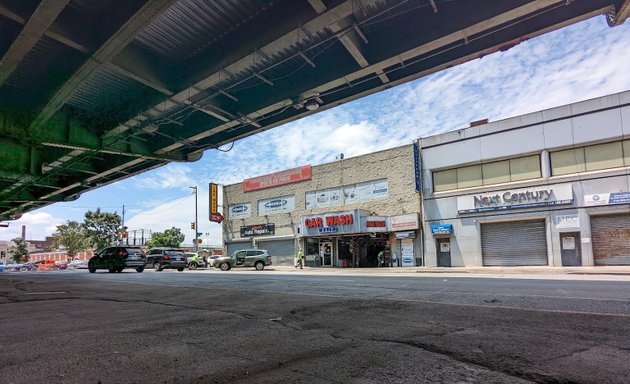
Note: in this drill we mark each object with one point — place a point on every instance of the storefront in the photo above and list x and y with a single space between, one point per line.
511 225
263 236
610 232
356 239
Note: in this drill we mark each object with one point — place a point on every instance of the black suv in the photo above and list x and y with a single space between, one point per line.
160 258
115 259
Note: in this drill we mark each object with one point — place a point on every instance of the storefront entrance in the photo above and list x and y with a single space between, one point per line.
326 253
570 249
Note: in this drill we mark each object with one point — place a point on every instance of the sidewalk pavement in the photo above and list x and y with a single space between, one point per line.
542 270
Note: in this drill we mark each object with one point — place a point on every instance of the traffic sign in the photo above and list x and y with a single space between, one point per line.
216 217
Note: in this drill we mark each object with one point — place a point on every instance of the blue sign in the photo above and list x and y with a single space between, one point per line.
442 229
618 198
416 166
328 230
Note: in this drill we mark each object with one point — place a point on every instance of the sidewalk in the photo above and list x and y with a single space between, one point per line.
566 272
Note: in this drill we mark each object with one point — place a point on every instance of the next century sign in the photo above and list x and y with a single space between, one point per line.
545 195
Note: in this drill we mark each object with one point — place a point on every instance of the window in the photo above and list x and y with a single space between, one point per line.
603 156
505 171
445 180
497 172
469 176
592 158
525 168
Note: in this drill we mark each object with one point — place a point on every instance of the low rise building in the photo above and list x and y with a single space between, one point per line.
547 188
342 214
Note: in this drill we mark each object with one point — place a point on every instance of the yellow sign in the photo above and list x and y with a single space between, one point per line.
214 198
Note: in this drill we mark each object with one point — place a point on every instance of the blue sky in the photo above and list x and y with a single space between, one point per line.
576 63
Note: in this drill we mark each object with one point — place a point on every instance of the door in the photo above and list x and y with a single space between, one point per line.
611 239
444 252
514 243
326 254
240 257
570 249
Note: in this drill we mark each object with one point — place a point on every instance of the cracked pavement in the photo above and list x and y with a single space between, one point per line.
202 327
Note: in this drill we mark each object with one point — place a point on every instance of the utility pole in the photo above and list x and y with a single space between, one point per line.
196 219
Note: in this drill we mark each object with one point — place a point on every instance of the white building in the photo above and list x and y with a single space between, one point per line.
547 188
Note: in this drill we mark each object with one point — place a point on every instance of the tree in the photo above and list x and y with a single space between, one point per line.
101 228
19 251
170 238
72 237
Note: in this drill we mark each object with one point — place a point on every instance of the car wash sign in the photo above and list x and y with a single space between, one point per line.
544 195
331 223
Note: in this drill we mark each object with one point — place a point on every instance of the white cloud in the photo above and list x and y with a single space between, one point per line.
173 175
38 226
178 213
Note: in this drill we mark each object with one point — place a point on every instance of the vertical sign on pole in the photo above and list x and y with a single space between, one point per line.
215 215
416 166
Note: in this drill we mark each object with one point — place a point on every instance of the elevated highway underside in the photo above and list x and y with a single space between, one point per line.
94 91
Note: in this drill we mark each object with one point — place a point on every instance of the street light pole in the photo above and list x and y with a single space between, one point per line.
196 219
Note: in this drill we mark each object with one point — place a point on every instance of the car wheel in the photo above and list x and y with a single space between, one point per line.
91 269
156 267
119 270
225 266
111 270
259 265
140 269
180 269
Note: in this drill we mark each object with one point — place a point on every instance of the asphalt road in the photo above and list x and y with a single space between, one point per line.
287 326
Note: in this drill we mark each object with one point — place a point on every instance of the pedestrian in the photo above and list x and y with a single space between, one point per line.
299 258
381 258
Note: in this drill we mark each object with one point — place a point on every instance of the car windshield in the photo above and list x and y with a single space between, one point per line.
134 251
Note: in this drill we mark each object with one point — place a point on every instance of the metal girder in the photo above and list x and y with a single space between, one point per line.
104 54
35 27
348 38
619 16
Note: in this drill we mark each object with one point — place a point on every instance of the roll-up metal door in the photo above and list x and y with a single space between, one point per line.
515 243
282 251
233 247
611 239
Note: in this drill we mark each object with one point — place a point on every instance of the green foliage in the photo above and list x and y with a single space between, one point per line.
101 228
170 238
19 251
72 237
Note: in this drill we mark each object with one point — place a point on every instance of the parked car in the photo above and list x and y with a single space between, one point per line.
78 264
161 258
12 267
61 264
257 258
29 266
1 267
117 258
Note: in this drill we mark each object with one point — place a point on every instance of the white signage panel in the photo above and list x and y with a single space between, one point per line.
607 199
276 205
348 194
404 222
406 247
239 210
567 221
543 195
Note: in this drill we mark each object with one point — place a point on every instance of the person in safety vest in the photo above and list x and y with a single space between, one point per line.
194 261
381 258
299 258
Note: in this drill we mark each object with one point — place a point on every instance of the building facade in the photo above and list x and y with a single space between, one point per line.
342 214
546 188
